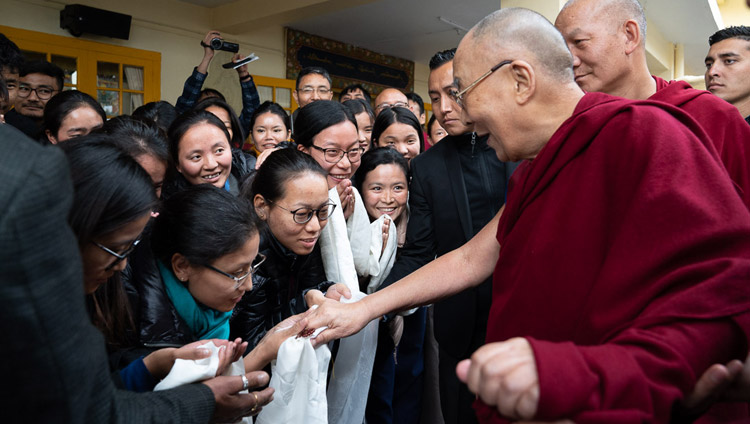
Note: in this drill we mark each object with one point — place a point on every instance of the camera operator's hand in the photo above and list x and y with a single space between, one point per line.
242 70
208 52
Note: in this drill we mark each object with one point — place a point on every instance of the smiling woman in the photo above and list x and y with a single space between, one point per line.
290 196
199 145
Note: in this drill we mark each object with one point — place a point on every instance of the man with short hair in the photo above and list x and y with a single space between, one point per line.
456 189
608 42
38 81
10 62
625 248
313 84
388 98
728 67
354 91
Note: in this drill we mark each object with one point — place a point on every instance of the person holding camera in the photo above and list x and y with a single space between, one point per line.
193 91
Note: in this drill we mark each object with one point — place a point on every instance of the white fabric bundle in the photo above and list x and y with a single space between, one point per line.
298 376
186 371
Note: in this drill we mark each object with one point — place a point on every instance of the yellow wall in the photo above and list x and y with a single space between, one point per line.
174 29
734 12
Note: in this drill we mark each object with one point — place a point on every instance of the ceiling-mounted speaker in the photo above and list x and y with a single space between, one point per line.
79 19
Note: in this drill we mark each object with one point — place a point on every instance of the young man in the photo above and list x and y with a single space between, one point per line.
38 82
728 67
354 91
10 62
313 84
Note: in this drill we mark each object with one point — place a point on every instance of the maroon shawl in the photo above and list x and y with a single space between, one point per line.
723 124
625 262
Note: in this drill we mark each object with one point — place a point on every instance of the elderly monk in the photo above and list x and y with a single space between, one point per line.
625 248
608 42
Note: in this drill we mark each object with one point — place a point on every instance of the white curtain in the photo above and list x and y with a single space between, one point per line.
135 82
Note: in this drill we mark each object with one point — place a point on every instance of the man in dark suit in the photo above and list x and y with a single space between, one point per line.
457 186
53 359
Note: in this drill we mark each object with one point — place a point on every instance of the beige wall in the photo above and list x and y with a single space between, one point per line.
174 29
734 12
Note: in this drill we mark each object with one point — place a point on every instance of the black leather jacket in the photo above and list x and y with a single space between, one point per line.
279 288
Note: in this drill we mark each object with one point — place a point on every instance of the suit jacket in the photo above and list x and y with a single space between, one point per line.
53 360
440 221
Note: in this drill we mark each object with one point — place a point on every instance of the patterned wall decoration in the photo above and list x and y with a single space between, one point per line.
347 64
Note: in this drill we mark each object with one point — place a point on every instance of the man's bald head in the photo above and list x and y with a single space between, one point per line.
613 12
521 30
515 77
390 97
608 43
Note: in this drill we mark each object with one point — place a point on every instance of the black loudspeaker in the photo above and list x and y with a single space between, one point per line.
79 19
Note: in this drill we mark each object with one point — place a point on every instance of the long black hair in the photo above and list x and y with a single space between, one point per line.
161 113
62 104
202 223
185 122
316 117
111 189
238 135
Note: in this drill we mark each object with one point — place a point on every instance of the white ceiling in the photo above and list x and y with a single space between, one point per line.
411 29
408 29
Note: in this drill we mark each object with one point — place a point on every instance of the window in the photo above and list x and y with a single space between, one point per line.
277 90
120 78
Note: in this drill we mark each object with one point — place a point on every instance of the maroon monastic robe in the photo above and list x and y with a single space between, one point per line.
725 127
625 262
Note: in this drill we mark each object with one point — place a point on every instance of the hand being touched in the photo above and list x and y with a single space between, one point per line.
232 406
504 375
342 319
336 291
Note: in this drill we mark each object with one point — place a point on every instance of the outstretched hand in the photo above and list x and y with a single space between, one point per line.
342 319
232 406
160 362
504 375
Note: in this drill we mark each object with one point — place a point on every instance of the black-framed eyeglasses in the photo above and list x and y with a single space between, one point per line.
335 155
119 257
238 280
44 93
458 96
304 215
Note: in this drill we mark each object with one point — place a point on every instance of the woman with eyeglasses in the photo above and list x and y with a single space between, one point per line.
71 114
290 195
113 201
204 246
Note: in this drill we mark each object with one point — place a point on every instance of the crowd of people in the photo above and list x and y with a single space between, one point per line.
567 237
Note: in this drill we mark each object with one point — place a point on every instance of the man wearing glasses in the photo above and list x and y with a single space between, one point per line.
388 98
313 84
38 82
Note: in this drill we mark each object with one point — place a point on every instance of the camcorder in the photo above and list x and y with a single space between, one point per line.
219 44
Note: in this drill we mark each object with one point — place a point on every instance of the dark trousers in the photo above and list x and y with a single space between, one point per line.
396 386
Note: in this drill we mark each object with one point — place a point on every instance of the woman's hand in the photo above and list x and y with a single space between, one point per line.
268 347
386 228
346 195
160 362
336 291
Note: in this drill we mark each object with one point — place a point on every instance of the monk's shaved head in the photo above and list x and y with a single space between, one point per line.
524 31
615 12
